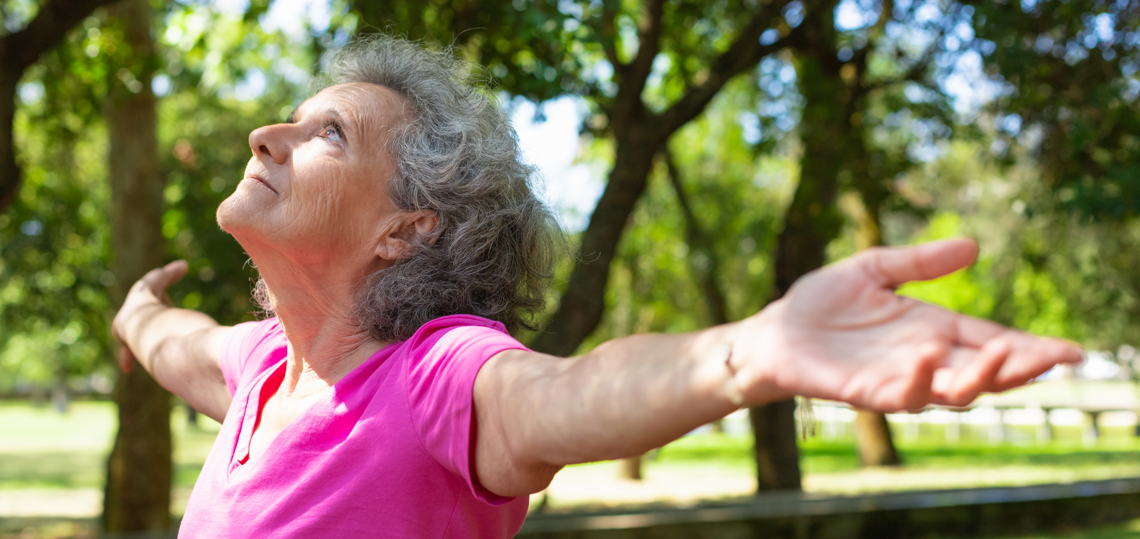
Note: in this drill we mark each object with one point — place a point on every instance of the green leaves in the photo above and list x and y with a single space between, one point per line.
1073 70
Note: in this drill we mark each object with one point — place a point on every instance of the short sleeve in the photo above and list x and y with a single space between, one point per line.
444 358
249 348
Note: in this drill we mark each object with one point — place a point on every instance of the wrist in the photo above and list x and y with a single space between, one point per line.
758 364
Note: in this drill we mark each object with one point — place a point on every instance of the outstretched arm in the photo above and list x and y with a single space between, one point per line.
840 333
178 347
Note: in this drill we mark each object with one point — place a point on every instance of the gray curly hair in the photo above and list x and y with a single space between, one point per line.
456 154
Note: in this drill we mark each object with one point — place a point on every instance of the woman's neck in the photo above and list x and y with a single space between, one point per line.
316 307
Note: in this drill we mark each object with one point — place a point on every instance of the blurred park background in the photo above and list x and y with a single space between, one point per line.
701 155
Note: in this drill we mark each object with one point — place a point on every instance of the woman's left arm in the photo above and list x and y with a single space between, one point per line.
841 333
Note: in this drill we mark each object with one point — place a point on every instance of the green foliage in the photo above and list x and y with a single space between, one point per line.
1045 272
968 291
544 49
220 76
54 239
1005 284
1072 89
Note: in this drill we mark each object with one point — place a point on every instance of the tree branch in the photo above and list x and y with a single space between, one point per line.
18 51
875 32
698 239
21 49
743 54
608 37
649 44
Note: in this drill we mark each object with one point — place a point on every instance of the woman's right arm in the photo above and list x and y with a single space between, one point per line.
180 348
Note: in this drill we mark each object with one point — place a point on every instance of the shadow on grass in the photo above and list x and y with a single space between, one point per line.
52 470
828 456
71 470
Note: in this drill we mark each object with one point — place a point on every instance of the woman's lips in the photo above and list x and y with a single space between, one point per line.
262 181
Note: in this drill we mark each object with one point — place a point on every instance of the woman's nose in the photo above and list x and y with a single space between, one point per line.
271 141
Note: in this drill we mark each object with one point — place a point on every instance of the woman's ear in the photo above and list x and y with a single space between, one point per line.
427 226
399 240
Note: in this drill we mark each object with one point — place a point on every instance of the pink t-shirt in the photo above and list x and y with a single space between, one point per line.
386 453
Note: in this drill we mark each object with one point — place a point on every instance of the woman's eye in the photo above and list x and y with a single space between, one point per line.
332 133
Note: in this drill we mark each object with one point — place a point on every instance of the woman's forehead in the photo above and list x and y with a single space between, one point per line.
371 107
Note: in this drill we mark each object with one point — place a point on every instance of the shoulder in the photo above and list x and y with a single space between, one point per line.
251 338
449 351
463 323
465 335
251 347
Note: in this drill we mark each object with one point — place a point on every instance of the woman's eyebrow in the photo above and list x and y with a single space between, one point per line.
335 115
330 112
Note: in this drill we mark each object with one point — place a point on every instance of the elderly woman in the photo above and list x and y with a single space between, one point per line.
398 243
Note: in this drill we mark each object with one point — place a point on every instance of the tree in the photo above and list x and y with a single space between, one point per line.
1063 122
702 227
850 80
139 471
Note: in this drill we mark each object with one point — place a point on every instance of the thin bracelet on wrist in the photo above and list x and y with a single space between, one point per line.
724 355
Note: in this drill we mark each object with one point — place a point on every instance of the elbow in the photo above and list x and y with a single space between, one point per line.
522 481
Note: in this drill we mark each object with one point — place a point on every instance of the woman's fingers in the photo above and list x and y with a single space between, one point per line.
1004 362
176 270
891 267
126 359
972 372
975 332
914 390
150 287
1033 356
896 385
158 279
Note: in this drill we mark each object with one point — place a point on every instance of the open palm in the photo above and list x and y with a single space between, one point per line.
842 333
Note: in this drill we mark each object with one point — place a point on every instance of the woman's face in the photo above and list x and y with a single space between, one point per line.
316 187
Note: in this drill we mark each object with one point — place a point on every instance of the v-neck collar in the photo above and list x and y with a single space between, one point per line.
254 404
256 398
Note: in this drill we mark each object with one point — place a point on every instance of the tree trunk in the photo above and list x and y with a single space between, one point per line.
191 416
873 436
700 244
581 306
9 169
139 472
638 135
631 468
811 222
872 431
777 456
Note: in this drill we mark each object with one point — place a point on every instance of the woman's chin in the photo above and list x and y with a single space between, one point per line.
237 215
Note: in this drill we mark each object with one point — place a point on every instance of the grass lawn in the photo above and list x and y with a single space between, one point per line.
833 466
53 464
